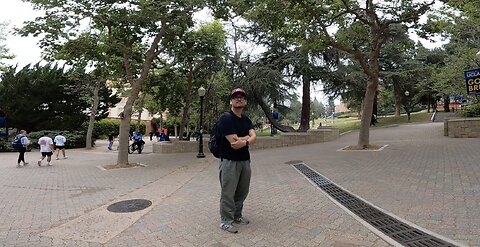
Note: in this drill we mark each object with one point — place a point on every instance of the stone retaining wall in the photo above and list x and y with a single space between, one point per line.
462 127
323 134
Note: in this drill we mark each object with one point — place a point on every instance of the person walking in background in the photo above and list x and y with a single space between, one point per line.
110 140
46 147
60 145
237 133
23 141
151 135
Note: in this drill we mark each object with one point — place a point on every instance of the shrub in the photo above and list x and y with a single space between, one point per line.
103 127
5 146
472 111
75 139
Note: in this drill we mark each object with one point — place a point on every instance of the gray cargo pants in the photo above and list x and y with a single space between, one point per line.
235 183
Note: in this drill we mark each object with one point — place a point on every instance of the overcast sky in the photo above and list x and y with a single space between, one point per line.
26 51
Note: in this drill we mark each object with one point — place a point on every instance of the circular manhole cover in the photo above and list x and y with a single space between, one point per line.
129 206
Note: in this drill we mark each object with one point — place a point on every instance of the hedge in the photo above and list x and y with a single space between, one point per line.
105 126
75 139
472 111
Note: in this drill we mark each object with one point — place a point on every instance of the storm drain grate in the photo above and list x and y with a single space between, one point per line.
395 229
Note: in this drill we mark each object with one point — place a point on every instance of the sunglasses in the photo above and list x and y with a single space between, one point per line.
238 96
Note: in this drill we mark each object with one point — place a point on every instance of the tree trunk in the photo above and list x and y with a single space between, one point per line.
367 108
93 113
123 140
186 107
446 103
140 111
305 117
266 110
397 92
367 111
137 85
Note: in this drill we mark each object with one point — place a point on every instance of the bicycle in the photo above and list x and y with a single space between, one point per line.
136 147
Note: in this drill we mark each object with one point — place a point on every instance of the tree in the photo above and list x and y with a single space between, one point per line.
198 56
351 18
289 50
458 23
135 33
47 97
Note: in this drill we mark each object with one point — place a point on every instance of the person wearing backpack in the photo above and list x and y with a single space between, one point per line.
20 144
236 133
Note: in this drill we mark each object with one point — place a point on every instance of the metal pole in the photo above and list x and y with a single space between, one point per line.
200 139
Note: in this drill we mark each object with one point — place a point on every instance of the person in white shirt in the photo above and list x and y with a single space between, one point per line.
46 147
60 145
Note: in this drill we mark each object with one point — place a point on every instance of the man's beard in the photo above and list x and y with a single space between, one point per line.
239 107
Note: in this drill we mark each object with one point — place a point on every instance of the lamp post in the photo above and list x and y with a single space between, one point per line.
201 93
407 105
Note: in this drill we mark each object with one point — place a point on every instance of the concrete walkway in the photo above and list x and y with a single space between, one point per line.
421 176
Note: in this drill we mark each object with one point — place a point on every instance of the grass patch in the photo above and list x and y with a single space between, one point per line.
345 124
353 123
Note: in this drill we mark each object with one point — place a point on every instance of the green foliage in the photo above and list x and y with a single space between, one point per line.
457 21
472 111
75 139
5 146
41 97
48 97
353 123
103 127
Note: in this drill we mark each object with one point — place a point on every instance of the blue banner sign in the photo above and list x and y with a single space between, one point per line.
3 126
472 80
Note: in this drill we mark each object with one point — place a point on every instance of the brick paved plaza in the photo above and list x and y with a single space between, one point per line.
422 177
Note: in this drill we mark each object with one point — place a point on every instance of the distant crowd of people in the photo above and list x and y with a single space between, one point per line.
49 146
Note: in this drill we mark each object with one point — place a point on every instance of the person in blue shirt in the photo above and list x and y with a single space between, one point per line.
137 139
162 137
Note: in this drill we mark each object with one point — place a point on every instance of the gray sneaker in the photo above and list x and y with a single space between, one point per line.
241 221
228 228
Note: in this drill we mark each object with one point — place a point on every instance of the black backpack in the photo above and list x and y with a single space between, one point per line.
215 141
17 142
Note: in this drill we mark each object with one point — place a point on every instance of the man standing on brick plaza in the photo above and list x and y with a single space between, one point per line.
237 134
